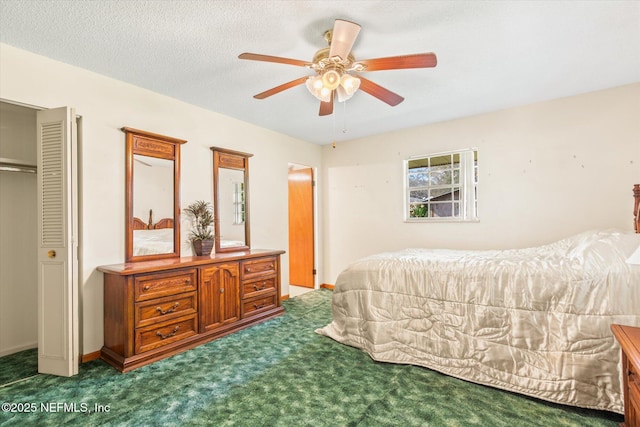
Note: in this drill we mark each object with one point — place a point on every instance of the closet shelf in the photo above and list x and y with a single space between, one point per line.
13 165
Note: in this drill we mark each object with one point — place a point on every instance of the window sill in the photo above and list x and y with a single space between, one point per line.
439 220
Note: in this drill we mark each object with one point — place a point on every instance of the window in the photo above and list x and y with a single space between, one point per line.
442 186
238 203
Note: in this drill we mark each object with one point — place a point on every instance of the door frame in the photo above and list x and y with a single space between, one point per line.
72 333
314 190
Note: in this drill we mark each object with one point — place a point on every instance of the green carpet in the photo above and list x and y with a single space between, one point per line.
17 366
278 373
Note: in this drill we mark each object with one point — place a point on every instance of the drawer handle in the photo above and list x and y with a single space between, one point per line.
257 307
260 288
146 288
169 335
169 310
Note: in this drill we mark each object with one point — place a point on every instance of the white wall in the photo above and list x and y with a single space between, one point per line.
546 171
106 105
18 232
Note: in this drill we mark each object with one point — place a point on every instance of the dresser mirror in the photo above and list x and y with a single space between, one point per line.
152 202
231 199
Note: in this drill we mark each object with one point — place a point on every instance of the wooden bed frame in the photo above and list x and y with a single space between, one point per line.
163 223
139 224
636 208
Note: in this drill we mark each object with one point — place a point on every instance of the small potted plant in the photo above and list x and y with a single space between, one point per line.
201 215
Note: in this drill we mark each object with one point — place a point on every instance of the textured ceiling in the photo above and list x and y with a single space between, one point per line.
491 54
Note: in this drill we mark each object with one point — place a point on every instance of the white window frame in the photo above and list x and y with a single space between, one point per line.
468 184
238 203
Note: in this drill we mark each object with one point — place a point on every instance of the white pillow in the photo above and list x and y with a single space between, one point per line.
635 257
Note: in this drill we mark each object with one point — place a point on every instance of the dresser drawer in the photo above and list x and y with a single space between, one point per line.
255 288
164 333
167 308
258 267
257 305
150 286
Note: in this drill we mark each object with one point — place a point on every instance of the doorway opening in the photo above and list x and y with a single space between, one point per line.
39 314
18 245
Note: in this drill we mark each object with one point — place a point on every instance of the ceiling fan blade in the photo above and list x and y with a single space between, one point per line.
326 108
280 88
418 60
384 95
278 59
343 37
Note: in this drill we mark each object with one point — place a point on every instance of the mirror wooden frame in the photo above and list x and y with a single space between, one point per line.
237 160
159 146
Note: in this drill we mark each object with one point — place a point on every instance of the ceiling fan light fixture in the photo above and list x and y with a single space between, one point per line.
350 83
348 86
317 89
325 94
342 94
331 79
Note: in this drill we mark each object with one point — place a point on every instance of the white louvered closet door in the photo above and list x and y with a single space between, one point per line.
58 350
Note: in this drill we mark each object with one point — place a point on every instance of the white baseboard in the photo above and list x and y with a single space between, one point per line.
7 351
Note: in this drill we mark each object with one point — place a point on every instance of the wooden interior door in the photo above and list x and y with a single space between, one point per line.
301 271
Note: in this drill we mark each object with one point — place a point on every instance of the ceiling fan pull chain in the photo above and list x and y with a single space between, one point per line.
344 118
333 126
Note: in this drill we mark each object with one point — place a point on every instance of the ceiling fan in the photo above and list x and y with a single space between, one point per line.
334 66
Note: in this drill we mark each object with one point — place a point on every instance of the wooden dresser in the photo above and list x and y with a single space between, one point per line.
629 339
154 309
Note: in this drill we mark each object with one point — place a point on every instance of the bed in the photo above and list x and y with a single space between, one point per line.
534 321
151 238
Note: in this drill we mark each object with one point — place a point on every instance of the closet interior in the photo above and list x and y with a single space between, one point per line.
18 230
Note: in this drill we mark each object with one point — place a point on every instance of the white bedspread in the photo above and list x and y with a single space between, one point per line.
151 242
534 321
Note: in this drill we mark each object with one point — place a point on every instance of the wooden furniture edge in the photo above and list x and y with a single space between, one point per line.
327 286
232 152
630 355
129 268
620 332
152 135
